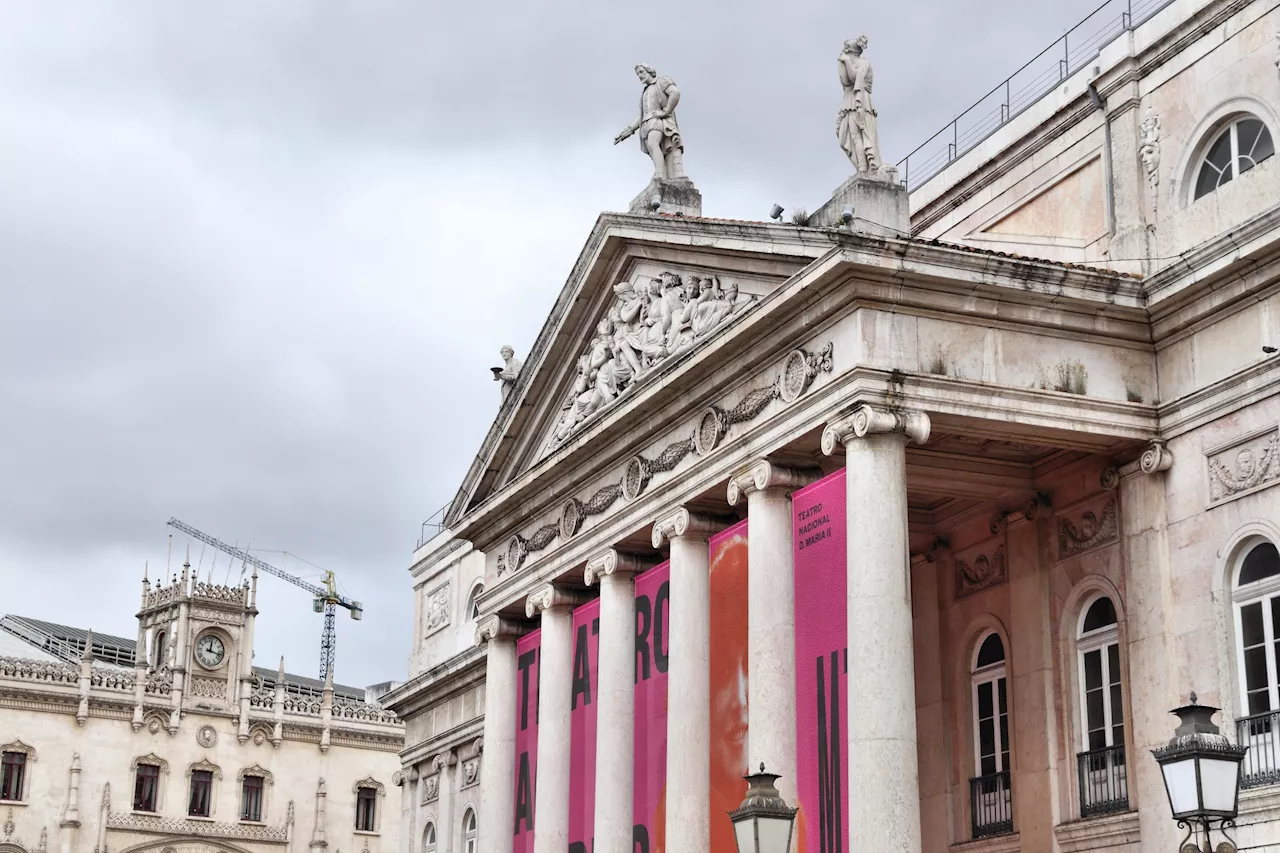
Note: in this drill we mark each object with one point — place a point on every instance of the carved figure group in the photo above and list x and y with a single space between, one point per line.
645 325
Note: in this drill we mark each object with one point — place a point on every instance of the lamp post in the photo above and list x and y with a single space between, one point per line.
763 823
1201 771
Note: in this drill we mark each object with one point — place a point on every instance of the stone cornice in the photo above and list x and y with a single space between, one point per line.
612 562
1243 388
156 825
764 475
437 684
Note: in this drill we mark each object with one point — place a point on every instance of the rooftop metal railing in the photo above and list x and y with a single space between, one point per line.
1071 52
432 526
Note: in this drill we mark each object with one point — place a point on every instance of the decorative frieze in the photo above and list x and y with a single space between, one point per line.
980 567
1090 529
204 687
799 369
437 608
1244 465
107 678
197 828
648 324
350 709
50 672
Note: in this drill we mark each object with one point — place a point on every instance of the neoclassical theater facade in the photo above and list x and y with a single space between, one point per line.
935 503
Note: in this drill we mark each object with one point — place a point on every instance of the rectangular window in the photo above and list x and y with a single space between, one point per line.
201 793
1253 638
366 810
11 778
146 788
251 798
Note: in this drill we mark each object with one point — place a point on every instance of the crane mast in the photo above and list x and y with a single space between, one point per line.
325 599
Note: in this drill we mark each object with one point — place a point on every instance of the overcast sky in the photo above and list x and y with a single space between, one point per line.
257 258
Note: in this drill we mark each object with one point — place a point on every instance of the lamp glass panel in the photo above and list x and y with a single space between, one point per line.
745 831
775 834
1219 778
1180 781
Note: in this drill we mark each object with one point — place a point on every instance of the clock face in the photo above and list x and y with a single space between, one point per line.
210 651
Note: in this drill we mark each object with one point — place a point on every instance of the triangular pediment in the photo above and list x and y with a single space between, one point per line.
1067 210
646 294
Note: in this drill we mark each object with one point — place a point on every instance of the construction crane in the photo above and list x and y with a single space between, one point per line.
326 599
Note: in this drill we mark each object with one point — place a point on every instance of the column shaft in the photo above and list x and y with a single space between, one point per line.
555 692
884 790
615 731
771 627
497 788
688 798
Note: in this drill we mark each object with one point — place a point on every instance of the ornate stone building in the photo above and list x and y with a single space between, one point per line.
936 501
175 741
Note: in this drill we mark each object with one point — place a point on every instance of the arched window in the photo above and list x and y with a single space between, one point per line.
1242 144
469 831
1104 784
990 794
473 603
158 660
1256 596
429 838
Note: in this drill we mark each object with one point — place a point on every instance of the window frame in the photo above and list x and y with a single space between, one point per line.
430 839
205 778
155 792
23 781
991 674
472 607
1099 640
470 830
261 797
1226 123
1257 592
367 794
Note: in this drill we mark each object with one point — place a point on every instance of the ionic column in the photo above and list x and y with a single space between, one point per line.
771 611
497 789
555 694
884 786
688 680
615 700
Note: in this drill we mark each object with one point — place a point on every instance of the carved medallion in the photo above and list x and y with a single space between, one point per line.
635 477
206 736
1244 465
980 568
709 431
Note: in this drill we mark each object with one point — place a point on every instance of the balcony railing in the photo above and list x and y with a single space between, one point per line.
1104 781
991 805
1262 762
1072 51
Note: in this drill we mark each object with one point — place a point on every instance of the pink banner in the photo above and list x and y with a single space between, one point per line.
653 600
728 655
822 732
582 727
527 648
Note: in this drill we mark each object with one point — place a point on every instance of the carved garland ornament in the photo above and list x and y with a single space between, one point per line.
799 369
1092 532
981 572
648 324
1240 468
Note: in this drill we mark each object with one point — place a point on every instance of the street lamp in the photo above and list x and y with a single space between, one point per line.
763 823
1201 771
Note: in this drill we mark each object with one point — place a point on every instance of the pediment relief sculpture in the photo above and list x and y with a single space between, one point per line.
648 323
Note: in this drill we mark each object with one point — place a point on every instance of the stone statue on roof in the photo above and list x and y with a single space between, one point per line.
509 372
856 121
656 126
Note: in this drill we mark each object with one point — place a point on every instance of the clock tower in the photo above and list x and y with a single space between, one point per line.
197 636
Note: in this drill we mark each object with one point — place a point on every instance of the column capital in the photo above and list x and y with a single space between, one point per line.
493 627
612 562
681 522
869 420
448 758
764 474
549 596
1155 458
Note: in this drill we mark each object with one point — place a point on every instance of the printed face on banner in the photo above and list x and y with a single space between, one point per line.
728 654
653 608
582 735
527 650
822 731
